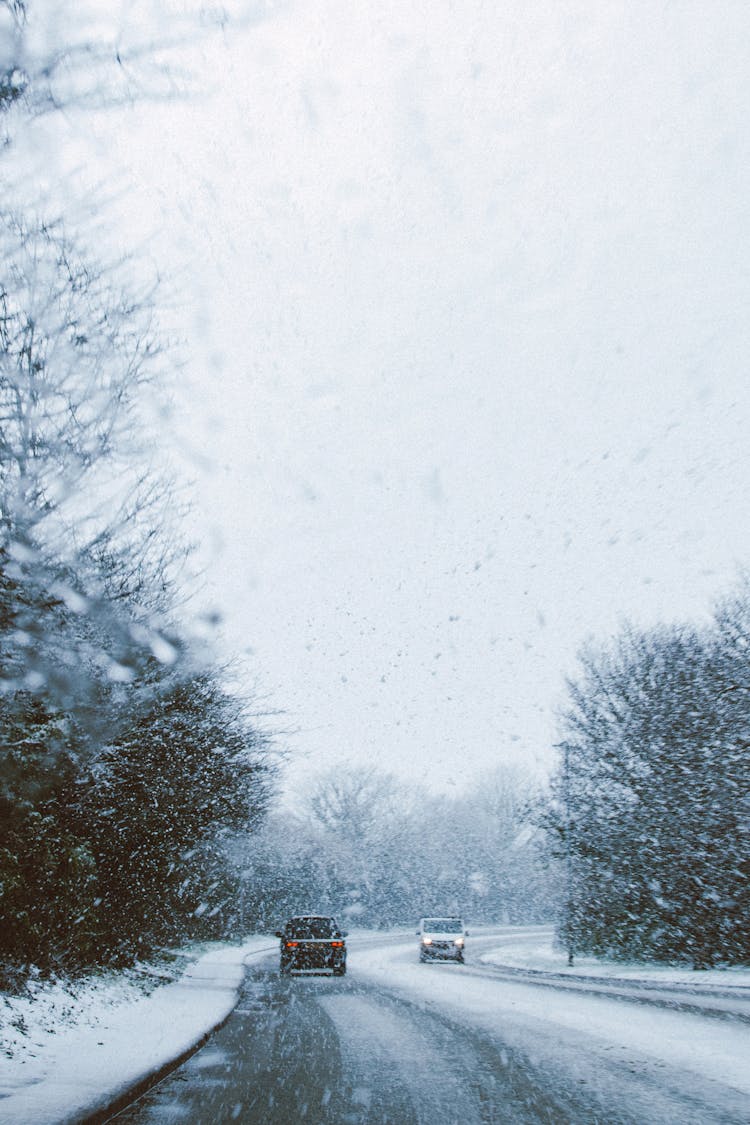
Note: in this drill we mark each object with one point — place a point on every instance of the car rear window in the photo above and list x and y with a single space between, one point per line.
311 927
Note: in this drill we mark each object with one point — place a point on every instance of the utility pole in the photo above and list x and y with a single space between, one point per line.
568 856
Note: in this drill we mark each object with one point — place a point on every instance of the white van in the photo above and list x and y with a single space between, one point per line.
442 939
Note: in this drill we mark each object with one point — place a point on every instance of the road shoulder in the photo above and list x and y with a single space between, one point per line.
83 1071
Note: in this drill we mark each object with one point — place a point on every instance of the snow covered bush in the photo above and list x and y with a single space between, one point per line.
653 800
162 809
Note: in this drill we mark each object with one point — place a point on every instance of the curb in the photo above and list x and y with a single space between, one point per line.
133 1093
114 1105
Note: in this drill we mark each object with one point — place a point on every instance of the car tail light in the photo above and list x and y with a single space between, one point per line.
337 944
291 944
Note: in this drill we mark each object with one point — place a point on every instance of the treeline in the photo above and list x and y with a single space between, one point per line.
126 768
365 847
652 810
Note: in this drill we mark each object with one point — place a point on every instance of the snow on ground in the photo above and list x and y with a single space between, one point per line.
716 1050
538 953
45 1008
70 1050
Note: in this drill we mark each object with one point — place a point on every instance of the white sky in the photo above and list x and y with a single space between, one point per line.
466 292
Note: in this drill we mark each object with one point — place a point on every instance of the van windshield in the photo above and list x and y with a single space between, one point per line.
444 925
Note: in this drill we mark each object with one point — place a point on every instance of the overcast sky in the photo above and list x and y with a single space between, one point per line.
465 288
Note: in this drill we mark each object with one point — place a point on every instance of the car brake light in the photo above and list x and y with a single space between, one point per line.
289 944
337 944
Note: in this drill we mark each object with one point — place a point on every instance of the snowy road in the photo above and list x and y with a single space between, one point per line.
404 1043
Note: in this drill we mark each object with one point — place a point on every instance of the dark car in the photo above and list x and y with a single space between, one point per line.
312 943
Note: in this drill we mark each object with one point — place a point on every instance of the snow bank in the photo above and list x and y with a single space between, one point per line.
68 1055
540 955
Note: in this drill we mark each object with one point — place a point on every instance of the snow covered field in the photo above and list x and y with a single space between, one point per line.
66 1054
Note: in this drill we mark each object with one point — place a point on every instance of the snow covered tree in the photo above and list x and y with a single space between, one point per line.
45 870
500 847
651 801
284 869
122 772
82 577
381 853
362 816
161 810
78 499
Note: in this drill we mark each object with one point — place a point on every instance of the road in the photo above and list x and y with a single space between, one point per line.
400 1043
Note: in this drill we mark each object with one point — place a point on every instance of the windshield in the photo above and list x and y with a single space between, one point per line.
444 925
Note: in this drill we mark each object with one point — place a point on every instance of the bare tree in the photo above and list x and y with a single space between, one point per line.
83 511
356 803
75 356
58 53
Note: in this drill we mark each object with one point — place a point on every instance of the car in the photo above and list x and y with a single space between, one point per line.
312 943
442 939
